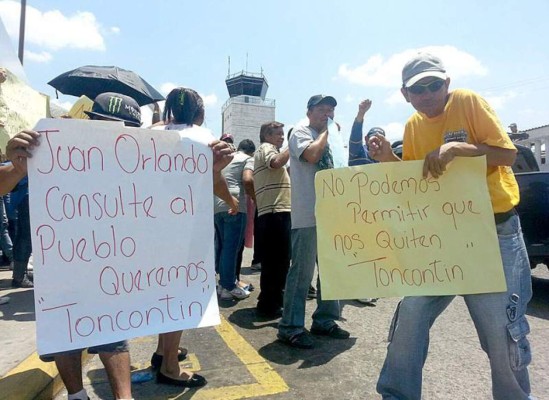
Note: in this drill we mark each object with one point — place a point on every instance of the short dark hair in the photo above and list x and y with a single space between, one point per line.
268 128
184 106
246 146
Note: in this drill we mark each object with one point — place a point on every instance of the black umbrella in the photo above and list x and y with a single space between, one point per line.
92 80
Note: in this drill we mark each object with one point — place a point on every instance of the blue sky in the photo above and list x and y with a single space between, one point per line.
348 49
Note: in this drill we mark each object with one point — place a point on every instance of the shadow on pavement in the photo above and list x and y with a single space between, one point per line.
24 384
325 348
20 308
324 351
246 318
148 389
5 284
248 271
356 303
539 305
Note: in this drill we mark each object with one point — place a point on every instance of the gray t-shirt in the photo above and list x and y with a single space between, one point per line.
233 175
302 176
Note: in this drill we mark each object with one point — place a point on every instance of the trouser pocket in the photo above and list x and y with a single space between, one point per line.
519 347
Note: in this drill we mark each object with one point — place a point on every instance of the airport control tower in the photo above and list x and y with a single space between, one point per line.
247 108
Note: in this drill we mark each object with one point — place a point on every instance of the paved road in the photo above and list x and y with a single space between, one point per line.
242 359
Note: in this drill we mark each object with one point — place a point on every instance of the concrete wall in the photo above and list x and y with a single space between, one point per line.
243 120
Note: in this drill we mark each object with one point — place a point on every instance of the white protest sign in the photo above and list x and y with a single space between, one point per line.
122 232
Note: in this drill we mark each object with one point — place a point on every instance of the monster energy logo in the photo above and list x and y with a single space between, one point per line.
114 104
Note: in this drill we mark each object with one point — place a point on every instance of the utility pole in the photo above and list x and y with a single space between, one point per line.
22 30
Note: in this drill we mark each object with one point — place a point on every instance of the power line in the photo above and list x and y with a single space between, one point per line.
525 82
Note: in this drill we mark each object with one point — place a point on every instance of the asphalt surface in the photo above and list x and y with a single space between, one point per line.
242 359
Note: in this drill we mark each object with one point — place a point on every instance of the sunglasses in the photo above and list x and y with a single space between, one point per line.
433 87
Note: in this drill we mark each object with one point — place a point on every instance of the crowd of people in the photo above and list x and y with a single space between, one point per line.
446 124
14 226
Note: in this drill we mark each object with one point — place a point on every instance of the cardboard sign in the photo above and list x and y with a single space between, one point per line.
385 231
20 107
122 232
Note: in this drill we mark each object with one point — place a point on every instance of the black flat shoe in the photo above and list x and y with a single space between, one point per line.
156 359
193 382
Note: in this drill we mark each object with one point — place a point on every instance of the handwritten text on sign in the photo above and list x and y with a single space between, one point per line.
384 231
122 232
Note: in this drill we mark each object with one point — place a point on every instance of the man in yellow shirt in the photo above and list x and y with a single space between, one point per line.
447 125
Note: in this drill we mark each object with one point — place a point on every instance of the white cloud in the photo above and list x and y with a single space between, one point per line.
349 99
378 71
167 87
375 72
209 99
53 30
302 122
393 131
65 105
497 102
395 98
115 30
42 57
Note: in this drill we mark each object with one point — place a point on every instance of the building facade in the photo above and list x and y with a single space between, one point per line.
247 107
538 141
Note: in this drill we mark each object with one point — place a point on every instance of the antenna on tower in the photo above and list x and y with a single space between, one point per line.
229 66
246 61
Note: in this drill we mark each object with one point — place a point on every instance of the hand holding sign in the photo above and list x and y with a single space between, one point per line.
384 230
124 216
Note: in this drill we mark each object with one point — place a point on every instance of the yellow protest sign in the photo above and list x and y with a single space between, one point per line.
77 111
385 231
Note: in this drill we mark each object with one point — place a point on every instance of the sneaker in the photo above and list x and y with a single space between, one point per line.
246 286
236 293
311 293
23 283
256 267
301 340
335 332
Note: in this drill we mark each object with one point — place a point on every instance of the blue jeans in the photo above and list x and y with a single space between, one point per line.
229 236
5 240
304 255
499 319
22 245
116 347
